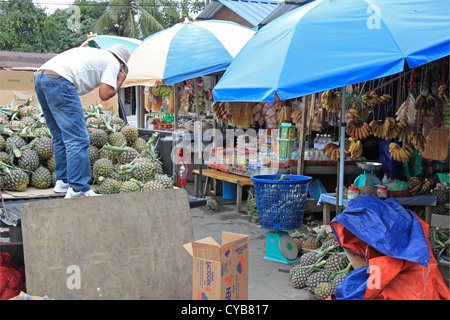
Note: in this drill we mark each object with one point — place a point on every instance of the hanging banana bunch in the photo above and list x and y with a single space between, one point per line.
162 91
332 100
332 151
425 104
388 128
400 153
357 130
355 148
373 99
417 139
357 112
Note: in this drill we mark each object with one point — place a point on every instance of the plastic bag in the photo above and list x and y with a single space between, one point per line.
12 277
415 167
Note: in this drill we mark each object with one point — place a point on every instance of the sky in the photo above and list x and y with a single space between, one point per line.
52 5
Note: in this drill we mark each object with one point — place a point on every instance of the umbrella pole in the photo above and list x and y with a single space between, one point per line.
342 125
175 128
199 135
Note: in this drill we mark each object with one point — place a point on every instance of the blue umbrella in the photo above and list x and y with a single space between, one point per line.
186 51
109 41
328 44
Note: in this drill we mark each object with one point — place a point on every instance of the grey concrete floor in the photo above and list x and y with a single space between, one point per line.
268 280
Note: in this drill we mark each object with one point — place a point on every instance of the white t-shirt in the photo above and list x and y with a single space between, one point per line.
86 68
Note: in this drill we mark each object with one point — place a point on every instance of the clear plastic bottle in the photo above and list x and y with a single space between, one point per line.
316 141
320 142
385 179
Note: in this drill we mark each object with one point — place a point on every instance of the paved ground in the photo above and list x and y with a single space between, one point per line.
268 280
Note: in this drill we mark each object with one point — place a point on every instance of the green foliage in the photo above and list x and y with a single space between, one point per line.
26 27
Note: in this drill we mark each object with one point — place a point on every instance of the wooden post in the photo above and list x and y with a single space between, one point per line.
301 152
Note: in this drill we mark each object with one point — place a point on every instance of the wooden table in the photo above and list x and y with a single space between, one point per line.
328 200
240 181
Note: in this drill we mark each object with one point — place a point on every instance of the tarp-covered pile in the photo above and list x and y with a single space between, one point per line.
394 242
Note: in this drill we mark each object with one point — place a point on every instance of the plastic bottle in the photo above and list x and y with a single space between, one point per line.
382 191
352 192
320 142
316 141
385 179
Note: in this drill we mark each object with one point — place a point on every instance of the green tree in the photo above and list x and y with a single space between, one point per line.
141 18
26 27
176 11
71 34
22 27
134 19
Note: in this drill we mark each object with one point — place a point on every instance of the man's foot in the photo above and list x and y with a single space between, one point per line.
74 194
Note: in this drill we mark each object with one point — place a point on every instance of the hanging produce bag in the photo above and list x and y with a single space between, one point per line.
436 145
415 167
394 242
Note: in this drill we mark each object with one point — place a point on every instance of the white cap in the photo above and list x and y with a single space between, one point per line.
121 52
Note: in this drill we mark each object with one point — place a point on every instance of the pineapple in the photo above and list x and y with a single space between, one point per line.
129 186
98 137
16 140
139 144
50 164
2 143
367 190
5 158
310 243
128 155
94 154
298 242
130 132
143 171
27 111
41 178
117 139
16 180
107 154
323 290
44 147
316 278
109 186
165 180
152 185
102 168
335 262
300 278
337 280
29 160
308 258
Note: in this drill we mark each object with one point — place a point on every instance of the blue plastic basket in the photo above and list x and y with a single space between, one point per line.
280 203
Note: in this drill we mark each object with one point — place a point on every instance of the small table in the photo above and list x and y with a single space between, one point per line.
428 201
240 181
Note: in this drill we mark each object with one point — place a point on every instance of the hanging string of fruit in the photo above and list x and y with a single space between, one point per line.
332 100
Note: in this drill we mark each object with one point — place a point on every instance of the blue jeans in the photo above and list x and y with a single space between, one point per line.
64 116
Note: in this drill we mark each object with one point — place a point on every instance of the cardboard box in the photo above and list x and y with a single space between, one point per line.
18 86
220 272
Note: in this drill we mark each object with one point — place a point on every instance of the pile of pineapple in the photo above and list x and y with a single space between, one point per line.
121 161
322 265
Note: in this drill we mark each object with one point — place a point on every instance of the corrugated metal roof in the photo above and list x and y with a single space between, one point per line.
253 11
13 59
282 9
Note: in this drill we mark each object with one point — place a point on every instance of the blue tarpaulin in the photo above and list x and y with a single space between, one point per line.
394 242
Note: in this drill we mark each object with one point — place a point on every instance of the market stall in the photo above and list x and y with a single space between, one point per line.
180 55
